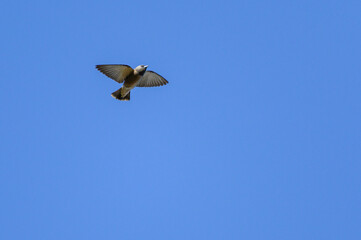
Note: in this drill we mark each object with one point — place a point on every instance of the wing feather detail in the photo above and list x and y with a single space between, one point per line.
152 79
117 72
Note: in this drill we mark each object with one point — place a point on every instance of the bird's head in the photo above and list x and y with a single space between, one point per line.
141 69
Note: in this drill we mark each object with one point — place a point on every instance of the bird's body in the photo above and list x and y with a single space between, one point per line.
138 77
130 82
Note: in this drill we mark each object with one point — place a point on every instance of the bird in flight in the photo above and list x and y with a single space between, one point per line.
138 77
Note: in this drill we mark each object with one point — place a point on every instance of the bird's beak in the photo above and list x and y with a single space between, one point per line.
146 66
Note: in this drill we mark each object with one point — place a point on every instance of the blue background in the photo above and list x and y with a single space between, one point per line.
257 136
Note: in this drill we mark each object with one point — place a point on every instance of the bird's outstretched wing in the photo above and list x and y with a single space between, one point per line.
152 79
116 72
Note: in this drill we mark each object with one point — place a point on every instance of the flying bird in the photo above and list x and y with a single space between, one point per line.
138 77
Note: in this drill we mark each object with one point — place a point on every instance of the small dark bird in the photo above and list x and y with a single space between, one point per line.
138 77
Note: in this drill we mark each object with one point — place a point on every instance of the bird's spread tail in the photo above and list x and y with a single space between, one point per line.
117 95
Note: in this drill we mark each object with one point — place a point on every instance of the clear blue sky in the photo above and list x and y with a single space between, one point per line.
257 136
